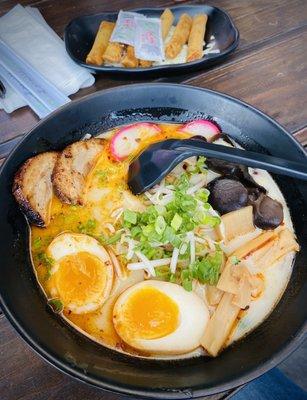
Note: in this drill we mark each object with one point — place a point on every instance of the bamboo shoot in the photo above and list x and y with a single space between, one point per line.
220 325
213 295
253 245
238 223
244 290
227 282
271 252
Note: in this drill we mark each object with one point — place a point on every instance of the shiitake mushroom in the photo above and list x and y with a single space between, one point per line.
234 171
227 195
237 188
268 213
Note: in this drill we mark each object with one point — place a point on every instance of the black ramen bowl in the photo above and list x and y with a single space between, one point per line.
25 306
81 31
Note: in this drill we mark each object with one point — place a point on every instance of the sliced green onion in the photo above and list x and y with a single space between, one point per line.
207 269
102 175
235 260
161 232
45 260
130 216
162 272
160 209
186 277
169 236
56 305
148 229
211 220
176 222
113 239
200 165
88 227
135 231
160 225
37 243
203 195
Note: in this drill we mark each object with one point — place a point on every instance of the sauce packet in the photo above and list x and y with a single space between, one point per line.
148 39
124 31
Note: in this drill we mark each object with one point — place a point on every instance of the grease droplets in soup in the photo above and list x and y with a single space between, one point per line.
182 270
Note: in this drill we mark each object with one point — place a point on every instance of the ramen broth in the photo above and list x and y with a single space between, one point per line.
107 192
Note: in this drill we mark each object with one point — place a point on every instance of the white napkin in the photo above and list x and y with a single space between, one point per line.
28 34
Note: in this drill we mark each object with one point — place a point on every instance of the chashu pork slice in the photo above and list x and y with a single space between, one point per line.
32 187
72 167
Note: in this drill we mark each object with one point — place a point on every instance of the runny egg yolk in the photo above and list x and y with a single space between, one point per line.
150 314
81 277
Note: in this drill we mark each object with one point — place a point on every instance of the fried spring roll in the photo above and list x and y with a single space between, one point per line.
114 53
129 60
196 38
145 63
167 19
180 36
100 44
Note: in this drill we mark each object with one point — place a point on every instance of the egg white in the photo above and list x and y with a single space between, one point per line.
193 318
68 243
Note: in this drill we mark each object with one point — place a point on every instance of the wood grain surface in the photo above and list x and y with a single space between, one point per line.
273 79
268 70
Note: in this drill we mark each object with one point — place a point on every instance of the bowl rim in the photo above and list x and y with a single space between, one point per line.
157 68
124 389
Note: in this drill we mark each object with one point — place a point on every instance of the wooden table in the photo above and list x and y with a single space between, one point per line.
268 70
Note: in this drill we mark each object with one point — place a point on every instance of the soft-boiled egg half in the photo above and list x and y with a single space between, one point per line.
82 272
160 317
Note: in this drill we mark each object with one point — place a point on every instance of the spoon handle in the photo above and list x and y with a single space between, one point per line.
188 148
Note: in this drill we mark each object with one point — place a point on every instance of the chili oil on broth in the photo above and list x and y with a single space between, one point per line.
106 192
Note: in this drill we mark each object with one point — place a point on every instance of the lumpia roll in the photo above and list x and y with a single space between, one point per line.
196 38
100 44
129 60
145 63
167 19
114 53
180 36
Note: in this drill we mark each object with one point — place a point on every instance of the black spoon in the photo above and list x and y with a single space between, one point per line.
154 163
